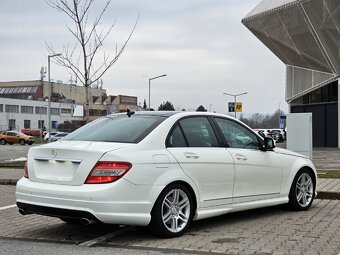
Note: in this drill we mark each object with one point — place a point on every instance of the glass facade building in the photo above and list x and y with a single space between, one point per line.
305 36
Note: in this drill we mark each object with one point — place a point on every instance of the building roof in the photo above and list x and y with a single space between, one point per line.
269 5
303 34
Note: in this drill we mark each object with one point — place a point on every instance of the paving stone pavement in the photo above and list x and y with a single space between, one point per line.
272 231
267 231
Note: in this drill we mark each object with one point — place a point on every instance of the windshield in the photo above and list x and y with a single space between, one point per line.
117 128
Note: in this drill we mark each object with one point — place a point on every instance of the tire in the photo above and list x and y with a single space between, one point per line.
173 211
3 142
71 221
30 143
10 143
22 142
302 191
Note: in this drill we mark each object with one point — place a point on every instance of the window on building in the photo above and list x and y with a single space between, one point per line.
54 111
26 109
65 111
40 110
27 124
11 124
328 93
12 108
41 124
54 124
1 107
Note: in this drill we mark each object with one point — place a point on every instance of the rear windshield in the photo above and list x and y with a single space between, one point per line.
117 128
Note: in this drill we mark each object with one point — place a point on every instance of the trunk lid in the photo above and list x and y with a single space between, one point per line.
67 162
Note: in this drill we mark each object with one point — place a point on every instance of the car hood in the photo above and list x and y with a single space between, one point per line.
290 153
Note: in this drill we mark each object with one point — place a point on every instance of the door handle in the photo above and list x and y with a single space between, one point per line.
240 157
191 155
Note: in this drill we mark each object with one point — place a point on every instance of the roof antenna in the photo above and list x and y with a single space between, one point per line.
129 113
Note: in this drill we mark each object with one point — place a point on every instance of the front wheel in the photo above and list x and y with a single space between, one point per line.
173 211
22 142
3 142
302 191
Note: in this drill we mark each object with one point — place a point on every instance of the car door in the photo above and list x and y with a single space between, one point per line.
258 173
12 137
193 143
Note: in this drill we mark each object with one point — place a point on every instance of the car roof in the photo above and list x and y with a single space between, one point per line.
174 113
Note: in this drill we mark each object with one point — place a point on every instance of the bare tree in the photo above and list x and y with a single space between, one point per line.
83 58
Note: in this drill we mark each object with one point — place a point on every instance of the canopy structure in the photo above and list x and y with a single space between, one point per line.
305 35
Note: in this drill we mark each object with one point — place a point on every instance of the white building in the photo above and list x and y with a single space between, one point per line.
21 114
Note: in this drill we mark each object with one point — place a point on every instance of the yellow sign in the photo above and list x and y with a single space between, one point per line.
239 107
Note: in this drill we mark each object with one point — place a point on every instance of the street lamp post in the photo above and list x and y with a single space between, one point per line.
235 96
50 92
153 78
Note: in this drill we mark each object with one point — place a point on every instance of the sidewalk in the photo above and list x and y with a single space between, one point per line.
327 188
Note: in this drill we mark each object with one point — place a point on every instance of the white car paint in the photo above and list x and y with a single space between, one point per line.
222 179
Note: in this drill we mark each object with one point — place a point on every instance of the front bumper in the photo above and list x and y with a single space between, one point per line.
121 202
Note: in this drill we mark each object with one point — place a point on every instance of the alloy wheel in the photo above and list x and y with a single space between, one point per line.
304 190
176 210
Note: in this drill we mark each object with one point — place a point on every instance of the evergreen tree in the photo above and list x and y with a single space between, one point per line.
167 106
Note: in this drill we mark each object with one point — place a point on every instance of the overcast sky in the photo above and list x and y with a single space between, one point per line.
200 44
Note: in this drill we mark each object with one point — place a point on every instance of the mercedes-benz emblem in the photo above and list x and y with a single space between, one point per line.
53 152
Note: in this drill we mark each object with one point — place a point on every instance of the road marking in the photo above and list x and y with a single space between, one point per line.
7 207
103 238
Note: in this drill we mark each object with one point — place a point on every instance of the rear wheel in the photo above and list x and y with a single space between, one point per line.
22 142
3 141
302 191
173 211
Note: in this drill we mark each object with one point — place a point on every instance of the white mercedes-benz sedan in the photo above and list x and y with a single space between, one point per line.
162 169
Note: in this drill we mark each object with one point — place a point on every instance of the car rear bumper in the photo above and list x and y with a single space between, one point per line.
117 203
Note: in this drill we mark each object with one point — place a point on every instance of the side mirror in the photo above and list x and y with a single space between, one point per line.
269 144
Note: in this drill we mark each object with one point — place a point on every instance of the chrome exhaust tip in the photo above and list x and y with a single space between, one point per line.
22 211
86 221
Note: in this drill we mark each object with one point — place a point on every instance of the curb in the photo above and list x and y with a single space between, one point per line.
328 195
8 181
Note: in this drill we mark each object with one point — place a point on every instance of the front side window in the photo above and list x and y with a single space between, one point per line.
117 128
236 135
198 132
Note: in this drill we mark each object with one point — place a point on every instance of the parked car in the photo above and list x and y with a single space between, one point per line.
58 136
31 132
47 136
161 169
12 137
281 132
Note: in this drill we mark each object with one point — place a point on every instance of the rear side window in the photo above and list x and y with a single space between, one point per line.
117 128
176 138
198 132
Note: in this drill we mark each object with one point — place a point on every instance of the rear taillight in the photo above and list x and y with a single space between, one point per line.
106 172
26 171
